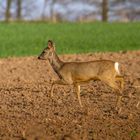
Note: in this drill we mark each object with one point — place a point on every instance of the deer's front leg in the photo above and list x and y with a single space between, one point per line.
78 93
59 82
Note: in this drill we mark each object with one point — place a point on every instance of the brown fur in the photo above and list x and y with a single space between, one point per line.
78 72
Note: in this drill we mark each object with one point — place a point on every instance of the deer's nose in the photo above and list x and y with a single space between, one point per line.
38 57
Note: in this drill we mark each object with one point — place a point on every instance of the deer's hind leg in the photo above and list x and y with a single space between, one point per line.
112 83
121 80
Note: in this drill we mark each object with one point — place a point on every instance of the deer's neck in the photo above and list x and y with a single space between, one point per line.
56 63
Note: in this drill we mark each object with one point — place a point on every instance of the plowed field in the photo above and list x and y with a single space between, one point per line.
27 111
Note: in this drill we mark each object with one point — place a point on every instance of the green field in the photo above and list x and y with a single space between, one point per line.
25 39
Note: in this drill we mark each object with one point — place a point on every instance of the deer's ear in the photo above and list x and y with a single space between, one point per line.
50 44
54 48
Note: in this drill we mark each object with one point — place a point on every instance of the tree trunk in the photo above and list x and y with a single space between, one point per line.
52 13
44 8
105 10
18 10
7 12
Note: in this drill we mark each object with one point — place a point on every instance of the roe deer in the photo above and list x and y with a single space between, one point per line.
79 72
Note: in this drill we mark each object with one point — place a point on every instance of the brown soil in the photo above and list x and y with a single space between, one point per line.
27 112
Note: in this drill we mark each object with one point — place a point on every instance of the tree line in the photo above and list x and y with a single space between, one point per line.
18 6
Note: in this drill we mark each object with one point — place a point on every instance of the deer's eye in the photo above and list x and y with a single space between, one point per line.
44 51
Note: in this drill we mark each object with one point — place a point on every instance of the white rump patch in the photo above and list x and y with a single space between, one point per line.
116 65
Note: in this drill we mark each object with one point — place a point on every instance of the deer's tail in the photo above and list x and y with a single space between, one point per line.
116 66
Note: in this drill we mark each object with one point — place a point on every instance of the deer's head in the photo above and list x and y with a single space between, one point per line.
48 52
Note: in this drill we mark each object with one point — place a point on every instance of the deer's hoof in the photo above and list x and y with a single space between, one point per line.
137 106
118 109
81 105
51 95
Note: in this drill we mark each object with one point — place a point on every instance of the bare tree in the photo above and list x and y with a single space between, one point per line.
52 13
7 11
44 8
19 9
104 10
29 9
